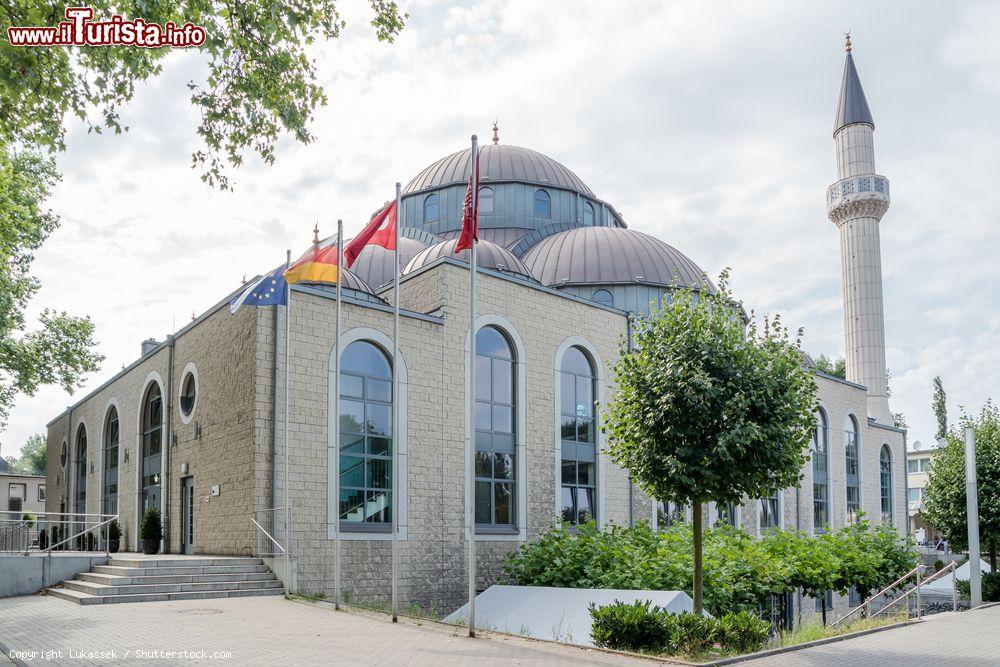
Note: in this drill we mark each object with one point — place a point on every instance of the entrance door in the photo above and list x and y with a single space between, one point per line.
187 515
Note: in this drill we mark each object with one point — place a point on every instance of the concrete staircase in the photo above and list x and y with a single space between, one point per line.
164 578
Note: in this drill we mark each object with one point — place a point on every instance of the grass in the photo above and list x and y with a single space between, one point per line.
815 631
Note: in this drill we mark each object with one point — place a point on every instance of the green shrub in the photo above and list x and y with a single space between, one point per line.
151 528
742 632
114 530
938 565
692 634
991 587
629 627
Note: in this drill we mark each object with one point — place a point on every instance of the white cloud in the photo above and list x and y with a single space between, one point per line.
706 124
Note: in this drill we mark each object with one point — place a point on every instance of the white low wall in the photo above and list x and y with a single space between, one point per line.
24 575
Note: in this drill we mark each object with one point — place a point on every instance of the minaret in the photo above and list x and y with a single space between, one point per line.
856 204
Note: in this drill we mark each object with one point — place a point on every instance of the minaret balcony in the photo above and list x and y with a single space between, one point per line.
867 194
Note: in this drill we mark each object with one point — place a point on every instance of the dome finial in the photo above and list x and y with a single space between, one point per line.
316 233
496 132
847 41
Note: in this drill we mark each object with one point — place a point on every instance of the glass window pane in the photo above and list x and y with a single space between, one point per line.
502 503
568 511
503 419
584 397
352 443
364 358
377 510
503 443
154 442
586 471
484 511
567 391
379 419
484 464
352 471
503 386
569 429
585 430
379 390
503 466
569 472
352 417
380 446
576 361
484 441
584 505
490 342
352 505
351 385
483 379
378 473
484 421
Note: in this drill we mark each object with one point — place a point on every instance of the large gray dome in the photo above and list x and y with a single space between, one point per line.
375 264
610 256
488 256
498 163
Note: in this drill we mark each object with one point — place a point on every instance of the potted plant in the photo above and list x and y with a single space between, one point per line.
114 536
150 531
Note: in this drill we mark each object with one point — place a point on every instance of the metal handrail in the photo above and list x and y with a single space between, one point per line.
261 528
917 570
109 518
950 567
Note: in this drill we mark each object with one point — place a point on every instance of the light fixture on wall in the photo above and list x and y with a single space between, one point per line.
125 457
197 430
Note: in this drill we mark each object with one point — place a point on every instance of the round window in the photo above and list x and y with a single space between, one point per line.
188 394
62 455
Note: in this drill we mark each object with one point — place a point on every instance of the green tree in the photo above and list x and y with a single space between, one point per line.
57 350
939 403
32 460
260 82
710 409
835 366
944 497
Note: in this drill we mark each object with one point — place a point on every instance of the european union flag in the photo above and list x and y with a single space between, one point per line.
266 291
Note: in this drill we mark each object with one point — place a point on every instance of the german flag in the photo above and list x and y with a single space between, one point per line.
317 265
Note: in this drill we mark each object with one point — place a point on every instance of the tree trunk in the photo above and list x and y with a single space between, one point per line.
993 555
696 524
824 609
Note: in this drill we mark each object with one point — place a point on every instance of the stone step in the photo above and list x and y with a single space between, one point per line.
158 571
212 586
183 562
118 580
86 598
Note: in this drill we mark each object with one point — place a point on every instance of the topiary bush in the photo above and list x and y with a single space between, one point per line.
742 632
151 528
629 627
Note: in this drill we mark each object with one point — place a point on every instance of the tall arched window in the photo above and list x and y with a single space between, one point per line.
152 446
431 208
885 483
366 439
579 437
851 467
603 297
109 503
821 485
543 204
485 199
588 214
80 504
495 410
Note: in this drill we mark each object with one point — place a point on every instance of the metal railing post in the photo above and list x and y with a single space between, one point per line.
954 588
919 601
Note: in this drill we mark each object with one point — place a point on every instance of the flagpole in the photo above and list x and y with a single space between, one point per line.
470 453
288 345
336 422
395 503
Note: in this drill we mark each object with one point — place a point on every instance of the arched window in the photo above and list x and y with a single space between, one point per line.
431 206
885 483
495 410
603 297
851 466
485 200
109 503
63 455
588 214
80 505
366 438
579 437
152 446
543 204
821 487
189 389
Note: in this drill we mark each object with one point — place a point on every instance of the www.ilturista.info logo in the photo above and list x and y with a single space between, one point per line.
79 30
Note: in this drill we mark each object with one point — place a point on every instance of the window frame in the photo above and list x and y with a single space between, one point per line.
431 200
588 209
885 478
491 198
778 499
493 526
80 470
150 464
575 459
541 196
190 372
852 481
111 414
610 303
820 446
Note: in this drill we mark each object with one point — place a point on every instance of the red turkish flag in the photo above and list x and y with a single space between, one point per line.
470 212
381 230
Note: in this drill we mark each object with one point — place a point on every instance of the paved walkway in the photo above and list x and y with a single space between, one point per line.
254 631
970 639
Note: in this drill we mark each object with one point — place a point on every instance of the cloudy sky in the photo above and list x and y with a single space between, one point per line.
707 124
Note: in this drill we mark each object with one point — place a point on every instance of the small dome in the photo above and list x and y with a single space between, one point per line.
375 264
488 256
498 163
608 256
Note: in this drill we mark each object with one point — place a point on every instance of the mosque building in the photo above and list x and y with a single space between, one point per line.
195 425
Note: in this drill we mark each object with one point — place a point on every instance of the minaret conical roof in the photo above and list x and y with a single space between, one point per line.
852 107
